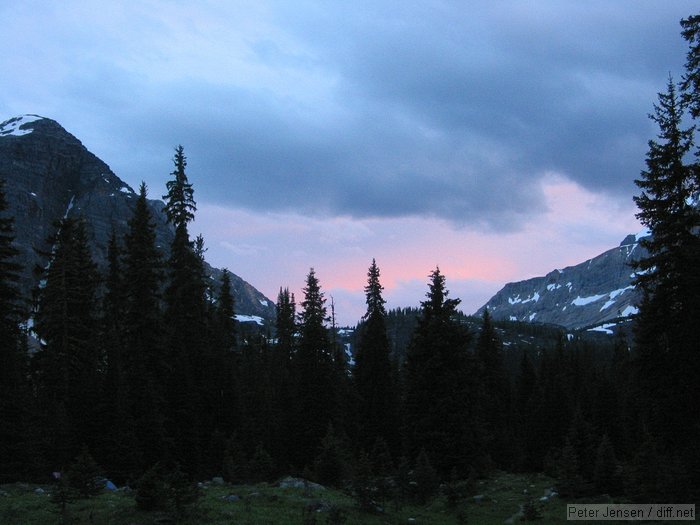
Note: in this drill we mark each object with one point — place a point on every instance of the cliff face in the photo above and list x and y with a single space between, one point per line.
49 174
593 293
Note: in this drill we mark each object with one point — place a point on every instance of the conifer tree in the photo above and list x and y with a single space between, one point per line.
185 315
282 373
441 393
286 323
226 312
494 402
222 361
9 292
313 366
119 453
667 360
14 388
607 471
528 408
373 371
690 84
68 362
145 362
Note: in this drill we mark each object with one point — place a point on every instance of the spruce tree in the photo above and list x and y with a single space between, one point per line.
282 373
226 312
119 451
9 292
606 473
145 362
14 387
494 401
66 322
667 361
373 372
441 393
286 323
222 361
690 84
185 316
528 403
313 370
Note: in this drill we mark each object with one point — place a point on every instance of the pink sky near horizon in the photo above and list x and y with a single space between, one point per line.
276 250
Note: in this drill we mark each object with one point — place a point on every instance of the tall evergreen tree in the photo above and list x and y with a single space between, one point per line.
222 361
66 322
119 451
226 312
528 404
144 358
373 371
180 205
286 323
441 392
9 291
313 370
14 388
495 396
690 84
185 314
667 359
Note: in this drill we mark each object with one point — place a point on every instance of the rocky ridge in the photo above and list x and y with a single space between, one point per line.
49 174
595 294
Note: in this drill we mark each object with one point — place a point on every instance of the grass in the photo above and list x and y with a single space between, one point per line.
263 504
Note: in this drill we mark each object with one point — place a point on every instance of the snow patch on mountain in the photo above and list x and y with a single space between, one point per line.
517 300
596 292
15 127
250 319
583 301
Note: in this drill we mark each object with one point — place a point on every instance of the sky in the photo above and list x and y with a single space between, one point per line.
498 140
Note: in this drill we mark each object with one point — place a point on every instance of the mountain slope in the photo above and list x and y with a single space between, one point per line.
591 293
49 174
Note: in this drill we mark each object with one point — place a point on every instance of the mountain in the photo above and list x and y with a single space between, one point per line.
595 293
49 175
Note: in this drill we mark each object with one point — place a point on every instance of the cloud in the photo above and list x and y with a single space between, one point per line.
438 109
275 249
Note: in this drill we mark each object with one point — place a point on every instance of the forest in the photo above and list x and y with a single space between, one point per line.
141 374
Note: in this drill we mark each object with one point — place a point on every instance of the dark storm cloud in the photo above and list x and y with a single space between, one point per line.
559 86
446 109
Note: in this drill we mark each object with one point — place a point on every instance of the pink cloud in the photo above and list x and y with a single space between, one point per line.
275 249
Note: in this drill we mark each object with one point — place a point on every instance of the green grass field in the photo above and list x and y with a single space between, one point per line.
502 496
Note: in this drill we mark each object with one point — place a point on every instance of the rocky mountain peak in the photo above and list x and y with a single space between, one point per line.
50 174
595 293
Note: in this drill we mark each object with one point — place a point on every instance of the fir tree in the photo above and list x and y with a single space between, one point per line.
286 323
494 402
373 371
281 374
691 80
313 368
9 292
667 360
441 392
180 205
185 316
569 480
226 313
14 387
119 453
68 362
607 470
84 475
145 363
222 362
331 465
